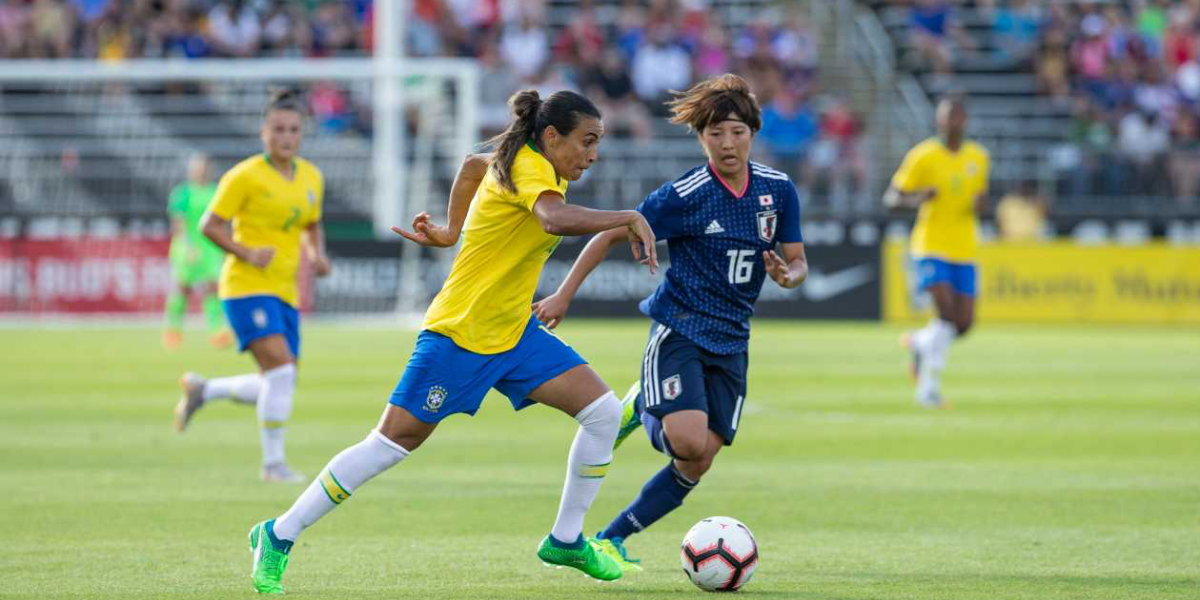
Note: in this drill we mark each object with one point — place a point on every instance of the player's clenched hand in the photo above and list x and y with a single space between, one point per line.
551 310
259 257
642 241
321 265
426 233
777 268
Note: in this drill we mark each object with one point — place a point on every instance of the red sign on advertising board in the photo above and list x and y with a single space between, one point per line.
86 275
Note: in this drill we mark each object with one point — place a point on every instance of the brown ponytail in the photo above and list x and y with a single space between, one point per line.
531 116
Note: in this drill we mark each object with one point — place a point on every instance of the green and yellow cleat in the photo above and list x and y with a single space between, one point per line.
585 558
631 418
269 562
616 551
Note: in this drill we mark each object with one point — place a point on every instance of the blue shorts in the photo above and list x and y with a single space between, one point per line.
442 379
961 276
677 374
254 317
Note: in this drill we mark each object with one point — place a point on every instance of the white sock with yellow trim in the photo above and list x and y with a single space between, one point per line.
591 452
274 408
239 388
351 468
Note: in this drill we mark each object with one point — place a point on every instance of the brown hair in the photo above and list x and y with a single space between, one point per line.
285 99
713 100
531 116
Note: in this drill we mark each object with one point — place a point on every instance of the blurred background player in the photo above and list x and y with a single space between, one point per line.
946 179
722 222
266 207
195 261
479 332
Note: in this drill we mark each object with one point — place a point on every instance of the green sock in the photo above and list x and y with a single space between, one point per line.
213 313
176 309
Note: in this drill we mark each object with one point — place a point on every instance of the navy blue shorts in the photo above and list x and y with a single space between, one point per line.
961 276
677 374
442 378
254 317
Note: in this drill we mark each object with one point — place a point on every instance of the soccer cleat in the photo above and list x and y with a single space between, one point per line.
593 564
268 562
281 473
171 339
616 551
221 339
631 417
191 400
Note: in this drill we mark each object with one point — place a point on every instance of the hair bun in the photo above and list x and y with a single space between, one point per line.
525 104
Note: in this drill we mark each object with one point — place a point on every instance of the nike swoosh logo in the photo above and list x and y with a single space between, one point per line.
820 286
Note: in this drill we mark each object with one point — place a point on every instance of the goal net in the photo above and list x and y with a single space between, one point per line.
89 153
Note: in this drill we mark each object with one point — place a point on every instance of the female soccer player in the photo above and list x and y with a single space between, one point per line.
722 222
946 179
479 332
273 201
195 261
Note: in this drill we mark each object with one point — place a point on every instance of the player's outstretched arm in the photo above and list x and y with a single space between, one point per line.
559 218
552 309
466 183
792 269
218 230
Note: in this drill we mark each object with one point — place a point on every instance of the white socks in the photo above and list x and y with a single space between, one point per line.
351 468
933 342
239 388
591 452
274 408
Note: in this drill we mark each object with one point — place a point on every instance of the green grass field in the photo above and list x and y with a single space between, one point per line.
1069 467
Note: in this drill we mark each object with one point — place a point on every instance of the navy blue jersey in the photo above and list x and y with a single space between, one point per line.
716 239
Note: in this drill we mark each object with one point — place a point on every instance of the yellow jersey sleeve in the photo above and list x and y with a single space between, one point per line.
231 195
913 172
533 176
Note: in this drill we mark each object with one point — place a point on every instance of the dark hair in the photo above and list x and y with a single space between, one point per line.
532 116
285 99
713 100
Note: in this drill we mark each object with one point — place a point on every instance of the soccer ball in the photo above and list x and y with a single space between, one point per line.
719 554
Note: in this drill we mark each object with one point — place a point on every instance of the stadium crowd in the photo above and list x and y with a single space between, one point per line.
1128 73
627 63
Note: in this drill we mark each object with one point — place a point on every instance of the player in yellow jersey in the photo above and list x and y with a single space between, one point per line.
266 210
480 332
946 179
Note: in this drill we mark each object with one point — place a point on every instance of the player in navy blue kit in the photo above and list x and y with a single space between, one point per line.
722 222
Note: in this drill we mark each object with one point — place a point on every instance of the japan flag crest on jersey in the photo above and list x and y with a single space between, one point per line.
766 225
672 387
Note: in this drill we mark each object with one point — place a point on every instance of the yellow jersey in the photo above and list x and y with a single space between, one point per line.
946 226
484 305
267 210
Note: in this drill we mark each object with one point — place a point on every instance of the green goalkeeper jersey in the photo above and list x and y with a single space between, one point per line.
192 254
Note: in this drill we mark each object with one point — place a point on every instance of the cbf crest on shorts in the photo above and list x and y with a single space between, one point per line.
435 399
766 225
672 387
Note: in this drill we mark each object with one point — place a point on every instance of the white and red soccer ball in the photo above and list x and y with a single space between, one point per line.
719 554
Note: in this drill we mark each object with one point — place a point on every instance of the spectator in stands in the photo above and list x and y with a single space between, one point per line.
1021 214
52 28
14 28
1090 55
234 28
1152 23
581 42
713 54
934 30
1143 140
1185 159
1053 65
1087 157
609 85
659 66
1179 42
1016 27
525 47
836 165
788 130
334 30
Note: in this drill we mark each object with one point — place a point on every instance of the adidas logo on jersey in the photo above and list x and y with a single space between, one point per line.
714 227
